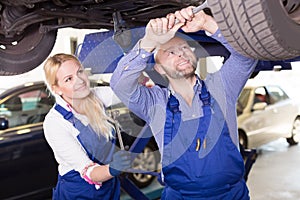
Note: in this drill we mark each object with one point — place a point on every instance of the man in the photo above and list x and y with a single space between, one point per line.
193 121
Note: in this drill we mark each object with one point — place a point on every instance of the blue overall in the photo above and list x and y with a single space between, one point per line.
71 186
207 165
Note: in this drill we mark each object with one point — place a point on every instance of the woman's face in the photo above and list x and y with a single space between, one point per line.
72 81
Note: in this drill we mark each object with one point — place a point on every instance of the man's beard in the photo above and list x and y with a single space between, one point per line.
176 74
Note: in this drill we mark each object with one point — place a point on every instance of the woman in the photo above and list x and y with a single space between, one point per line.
80 134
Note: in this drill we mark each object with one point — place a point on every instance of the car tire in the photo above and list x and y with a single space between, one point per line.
260 29
148 160
294 139
243 139
22 54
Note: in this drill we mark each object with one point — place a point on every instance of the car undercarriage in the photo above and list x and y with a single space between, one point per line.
263 29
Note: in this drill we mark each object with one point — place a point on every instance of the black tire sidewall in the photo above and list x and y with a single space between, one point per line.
285 29
13 64
260 29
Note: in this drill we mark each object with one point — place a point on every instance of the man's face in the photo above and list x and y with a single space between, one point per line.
176 59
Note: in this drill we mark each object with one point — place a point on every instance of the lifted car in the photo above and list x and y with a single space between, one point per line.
263 29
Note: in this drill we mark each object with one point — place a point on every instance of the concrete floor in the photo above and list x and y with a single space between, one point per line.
276 173
274 176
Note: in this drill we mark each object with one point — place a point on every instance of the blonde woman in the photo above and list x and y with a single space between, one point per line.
80 134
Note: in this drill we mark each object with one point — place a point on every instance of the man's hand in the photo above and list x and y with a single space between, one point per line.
158 31
193 22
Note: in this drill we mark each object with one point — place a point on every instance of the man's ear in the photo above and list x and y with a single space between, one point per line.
159 69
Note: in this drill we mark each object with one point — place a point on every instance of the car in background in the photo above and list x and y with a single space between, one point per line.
27 164
29 170
266 113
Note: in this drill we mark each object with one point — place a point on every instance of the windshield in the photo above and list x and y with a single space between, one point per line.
243 100
244 96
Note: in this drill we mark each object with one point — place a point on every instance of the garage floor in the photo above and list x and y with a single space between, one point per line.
276 172
274 176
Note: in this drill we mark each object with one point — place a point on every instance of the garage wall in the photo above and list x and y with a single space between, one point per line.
289 80
62 44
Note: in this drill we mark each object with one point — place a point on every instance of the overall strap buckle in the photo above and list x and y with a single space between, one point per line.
66 114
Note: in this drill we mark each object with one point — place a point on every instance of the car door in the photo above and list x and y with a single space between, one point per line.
259 122
284 111
26 161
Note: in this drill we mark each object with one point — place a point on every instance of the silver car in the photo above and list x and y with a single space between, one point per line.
266 113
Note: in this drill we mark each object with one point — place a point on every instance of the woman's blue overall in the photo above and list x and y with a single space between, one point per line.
207 165
71 186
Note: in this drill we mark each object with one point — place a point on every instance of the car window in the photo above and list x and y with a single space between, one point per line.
27 107
244 97
260 95
276 94
30 100
12 109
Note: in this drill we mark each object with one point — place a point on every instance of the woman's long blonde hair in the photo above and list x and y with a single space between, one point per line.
91 106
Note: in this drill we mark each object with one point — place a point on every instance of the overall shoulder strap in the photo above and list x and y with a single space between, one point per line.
205 95
66 114
173 118
70 116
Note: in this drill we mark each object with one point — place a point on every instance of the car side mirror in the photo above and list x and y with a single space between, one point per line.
259 106
3 123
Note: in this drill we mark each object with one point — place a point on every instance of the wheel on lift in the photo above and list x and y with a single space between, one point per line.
261 29
26 51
